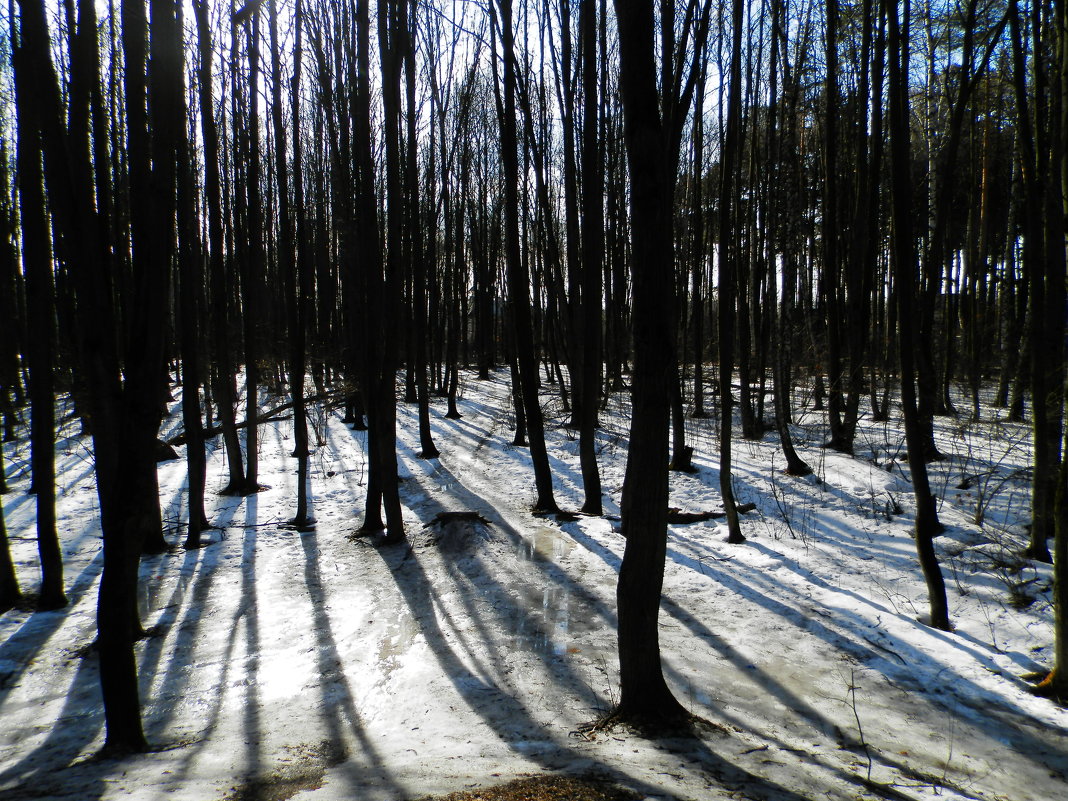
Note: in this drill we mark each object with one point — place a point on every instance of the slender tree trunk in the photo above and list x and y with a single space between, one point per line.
303 269
417 255
518 278
728 213
906 274
9 583
222 374
290 265
592 254
829 234
252 267
40 355
191 281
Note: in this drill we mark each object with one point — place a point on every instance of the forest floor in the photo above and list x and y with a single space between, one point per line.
322 666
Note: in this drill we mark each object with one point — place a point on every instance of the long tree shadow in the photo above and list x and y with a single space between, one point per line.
1000 722
48 769
477 683
760 589
248 614
180 621
337 707
23 645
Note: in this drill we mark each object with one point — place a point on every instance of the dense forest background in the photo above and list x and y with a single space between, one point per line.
709 204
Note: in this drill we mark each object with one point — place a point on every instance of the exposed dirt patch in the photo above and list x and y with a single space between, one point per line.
303 771
454 532
545 788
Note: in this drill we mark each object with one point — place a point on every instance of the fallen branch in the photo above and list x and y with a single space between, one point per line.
269 416
677 516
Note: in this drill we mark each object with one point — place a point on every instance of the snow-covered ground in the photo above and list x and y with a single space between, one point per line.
321 667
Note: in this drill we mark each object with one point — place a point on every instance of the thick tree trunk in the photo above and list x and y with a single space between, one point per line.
1043 269
644 695
69 179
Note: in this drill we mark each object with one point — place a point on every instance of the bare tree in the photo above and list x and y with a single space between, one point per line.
37 262
906 266
518 277
9 583
651 115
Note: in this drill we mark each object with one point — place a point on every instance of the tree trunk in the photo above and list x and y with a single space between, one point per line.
906 276
518 277
9 583
222 374
728 274
69 180
644 695
40 355
417 255
592 255
191 281
252 266
291 266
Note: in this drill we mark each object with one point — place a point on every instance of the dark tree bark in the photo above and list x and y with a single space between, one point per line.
699 254
69 180
13 316
191 282
292 265
728 214
652 159
783 319
416 258
223 372
40 352
518 277
906 277
253 265
592 250
303 290
841 435
151 152
378 275
9 583
1057 681
1044 269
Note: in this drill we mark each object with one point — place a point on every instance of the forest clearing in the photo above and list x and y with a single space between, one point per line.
324 667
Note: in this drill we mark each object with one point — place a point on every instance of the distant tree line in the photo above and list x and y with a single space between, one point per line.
866 198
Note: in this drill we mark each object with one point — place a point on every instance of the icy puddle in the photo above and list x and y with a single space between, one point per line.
550 617
401 633
547 544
